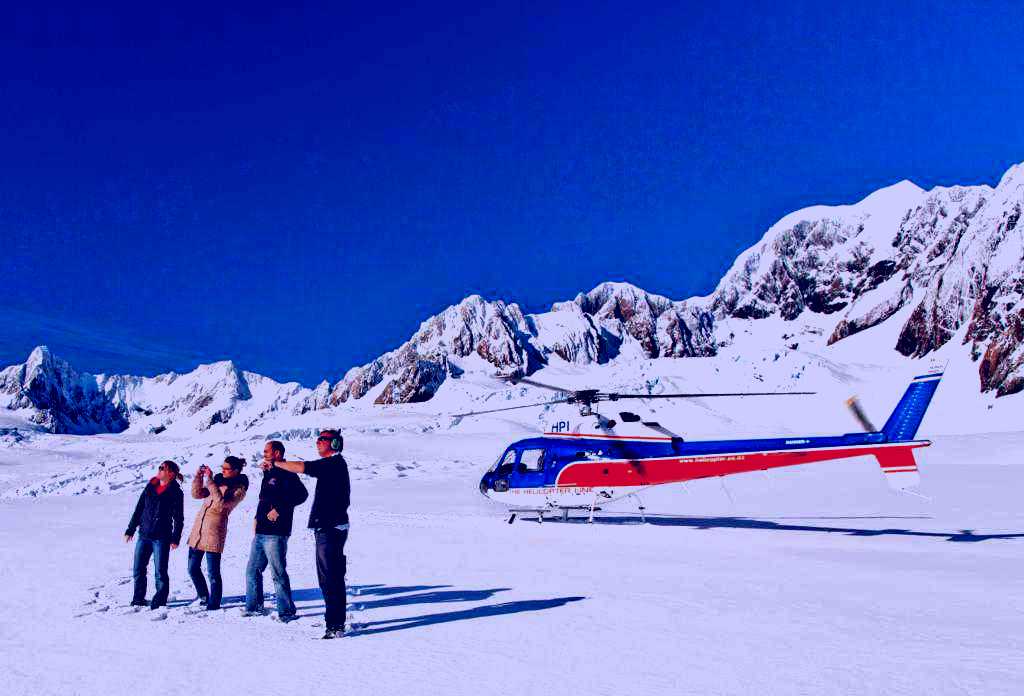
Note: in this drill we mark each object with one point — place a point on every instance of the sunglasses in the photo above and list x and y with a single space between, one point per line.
163 468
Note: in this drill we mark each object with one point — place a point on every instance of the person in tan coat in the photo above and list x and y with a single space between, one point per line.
220 495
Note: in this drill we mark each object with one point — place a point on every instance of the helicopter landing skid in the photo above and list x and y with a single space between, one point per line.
515 512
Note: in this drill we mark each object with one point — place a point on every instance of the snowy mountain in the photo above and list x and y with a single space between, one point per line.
953 256
946 265
51 394
612 321
56 397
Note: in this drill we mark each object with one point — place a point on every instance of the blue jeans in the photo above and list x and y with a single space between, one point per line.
195 570
268 549
160 551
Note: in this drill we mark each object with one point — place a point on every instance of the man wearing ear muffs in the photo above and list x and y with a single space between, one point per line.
328 518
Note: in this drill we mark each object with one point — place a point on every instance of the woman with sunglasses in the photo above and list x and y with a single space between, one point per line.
158 518
222 494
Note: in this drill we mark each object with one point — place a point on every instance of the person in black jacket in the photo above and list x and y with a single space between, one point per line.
280 493
158 518
328 518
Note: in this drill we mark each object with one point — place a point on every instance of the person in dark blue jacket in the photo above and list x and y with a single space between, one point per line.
280 493
158 518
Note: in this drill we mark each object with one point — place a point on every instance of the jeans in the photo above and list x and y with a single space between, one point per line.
195 561
160 550
330 572
268 549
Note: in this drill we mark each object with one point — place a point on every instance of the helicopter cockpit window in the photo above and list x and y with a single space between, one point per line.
532 460
505 462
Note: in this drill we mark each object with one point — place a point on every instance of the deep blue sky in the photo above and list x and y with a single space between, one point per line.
297 190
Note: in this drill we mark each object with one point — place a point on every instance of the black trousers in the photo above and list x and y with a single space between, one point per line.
330 571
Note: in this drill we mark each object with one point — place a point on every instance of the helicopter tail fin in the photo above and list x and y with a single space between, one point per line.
898 463
899 467
906 418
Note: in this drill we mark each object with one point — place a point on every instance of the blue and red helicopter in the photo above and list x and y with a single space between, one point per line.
598 460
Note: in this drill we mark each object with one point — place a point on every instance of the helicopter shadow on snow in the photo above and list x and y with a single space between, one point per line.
383 596
963 535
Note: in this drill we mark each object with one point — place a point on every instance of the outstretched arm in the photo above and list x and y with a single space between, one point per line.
294 467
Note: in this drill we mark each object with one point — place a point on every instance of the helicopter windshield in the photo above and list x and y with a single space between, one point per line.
505 461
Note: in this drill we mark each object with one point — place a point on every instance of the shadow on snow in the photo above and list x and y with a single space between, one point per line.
423 594
389 625
964 535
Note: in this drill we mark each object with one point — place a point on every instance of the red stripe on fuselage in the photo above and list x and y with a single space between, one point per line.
651 472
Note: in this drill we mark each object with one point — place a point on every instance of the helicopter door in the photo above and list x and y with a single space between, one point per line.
529 472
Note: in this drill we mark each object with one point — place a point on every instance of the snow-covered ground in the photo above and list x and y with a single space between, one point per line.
811 580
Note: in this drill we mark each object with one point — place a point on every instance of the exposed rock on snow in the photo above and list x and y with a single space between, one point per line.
63 400
612 320
954 254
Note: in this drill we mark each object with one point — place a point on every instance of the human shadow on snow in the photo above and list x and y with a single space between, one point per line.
358 602
401 624
422 594
313 593
963 535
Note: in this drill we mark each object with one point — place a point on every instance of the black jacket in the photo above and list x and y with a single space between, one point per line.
282 491
159 516
330 502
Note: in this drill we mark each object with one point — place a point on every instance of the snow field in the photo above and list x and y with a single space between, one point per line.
815 580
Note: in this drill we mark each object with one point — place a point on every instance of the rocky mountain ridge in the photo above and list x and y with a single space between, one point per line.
953 257
58 398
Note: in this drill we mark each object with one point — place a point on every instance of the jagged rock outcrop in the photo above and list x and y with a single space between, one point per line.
819 259
63 400
611 320
952 256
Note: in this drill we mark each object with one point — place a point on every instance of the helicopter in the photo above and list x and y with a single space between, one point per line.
595 460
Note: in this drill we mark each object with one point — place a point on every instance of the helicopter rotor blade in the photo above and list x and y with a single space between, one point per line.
616 397
509 408
534 383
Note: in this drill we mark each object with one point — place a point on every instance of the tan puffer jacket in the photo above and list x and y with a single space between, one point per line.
211 526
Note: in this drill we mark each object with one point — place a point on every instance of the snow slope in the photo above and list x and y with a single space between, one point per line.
814 580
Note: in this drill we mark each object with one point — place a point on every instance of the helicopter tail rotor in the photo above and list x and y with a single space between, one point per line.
858 412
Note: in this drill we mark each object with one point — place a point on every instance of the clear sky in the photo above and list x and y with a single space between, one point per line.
299 189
